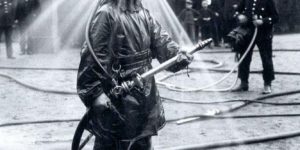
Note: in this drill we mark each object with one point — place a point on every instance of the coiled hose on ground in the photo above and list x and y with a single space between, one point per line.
80 129
181 120
212 116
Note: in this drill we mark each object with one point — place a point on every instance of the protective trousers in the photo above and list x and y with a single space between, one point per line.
106 143
265 49
8 41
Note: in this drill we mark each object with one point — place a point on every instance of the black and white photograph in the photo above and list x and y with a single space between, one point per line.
149 75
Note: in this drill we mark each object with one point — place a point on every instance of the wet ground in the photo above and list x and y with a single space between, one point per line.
19 104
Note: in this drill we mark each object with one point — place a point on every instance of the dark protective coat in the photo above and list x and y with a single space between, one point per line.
7 12
126 39
27 10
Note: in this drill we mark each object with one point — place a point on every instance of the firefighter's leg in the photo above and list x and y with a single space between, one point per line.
244 68
265 50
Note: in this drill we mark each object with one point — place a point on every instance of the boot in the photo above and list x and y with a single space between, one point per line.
267 89
242 87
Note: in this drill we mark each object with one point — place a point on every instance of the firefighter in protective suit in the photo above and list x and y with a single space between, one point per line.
125 39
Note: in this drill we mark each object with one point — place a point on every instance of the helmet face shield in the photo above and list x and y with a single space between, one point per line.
129 5
125 5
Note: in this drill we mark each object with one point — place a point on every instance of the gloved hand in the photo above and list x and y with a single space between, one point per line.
258 22
184 56
183 60
242 19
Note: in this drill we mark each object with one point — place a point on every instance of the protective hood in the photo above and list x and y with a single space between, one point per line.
130 5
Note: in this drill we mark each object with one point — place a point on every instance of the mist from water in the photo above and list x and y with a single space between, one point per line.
164 14
72 29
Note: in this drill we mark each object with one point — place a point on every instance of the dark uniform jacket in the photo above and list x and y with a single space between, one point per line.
7 12
188 16
217 6
263 9
127 41
27 10
206 17
229 10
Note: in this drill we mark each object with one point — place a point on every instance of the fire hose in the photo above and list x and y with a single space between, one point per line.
126 86
210 145
25 85
228 51
287 115
230 143
148 74
209 87
162 67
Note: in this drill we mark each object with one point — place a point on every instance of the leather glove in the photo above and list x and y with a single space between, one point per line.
242 19
184 56
258 22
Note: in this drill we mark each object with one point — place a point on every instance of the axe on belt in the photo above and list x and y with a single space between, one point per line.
125 87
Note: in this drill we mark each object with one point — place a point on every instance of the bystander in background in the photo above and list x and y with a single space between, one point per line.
7 21
27 12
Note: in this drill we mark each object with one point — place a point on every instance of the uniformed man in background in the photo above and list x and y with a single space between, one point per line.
261 14
188 17
27 12
217 7
7 20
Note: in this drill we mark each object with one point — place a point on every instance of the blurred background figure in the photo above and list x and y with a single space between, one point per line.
188 17
177 5
206 22
286 9
7 21
230 23
27 12
217 7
